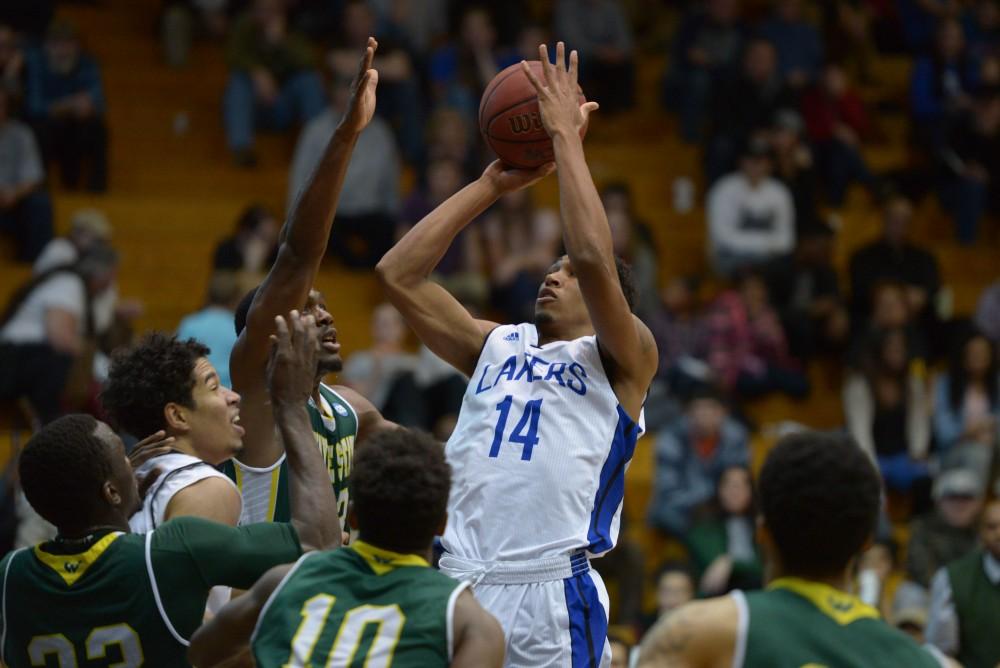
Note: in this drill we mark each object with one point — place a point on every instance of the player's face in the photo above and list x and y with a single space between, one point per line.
329 360
213 423
559 297
122 476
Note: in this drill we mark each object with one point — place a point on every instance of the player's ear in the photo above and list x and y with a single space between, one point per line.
175 417
111 493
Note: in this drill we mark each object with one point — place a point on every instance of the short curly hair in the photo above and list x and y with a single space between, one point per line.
400 484
820 495
63 468
146 377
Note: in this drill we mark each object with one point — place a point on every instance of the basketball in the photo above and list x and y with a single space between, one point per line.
510 121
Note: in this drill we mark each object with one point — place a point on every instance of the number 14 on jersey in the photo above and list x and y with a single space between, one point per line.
525 432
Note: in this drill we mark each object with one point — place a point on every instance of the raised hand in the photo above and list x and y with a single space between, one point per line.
505 179
293 361
152 446
558 94
362 105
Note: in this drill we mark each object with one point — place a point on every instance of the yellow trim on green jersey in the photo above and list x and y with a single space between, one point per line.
71 567
838 605
383 561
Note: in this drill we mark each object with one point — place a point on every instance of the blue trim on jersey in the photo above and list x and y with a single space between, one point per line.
611 486
588 621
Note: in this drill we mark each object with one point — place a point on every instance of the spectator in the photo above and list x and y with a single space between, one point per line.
254 244
748 352
181 19
65 105
521 241
369 200
838 122
948 533
794 166
804 289
272 80
461 71
11 66
691 455
674 587
887 409
878 579
920 17
451 136
967 402
981 24
88 228
378 373
987 316
681 334
633 241
722 544
971 168
25 207
620 649
894 257
46 326
400 96
798 43
965 599
213 324
601 33
744 105
941 85
751 218
420 24
851 29
706 51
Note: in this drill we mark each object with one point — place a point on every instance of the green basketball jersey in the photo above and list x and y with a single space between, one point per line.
801 624
265 491
358 606
127 600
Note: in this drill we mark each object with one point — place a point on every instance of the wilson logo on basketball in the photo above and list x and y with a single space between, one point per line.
522 123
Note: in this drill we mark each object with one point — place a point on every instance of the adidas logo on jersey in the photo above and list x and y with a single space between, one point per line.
513 336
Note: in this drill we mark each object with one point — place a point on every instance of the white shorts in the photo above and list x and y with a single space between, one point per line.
547 622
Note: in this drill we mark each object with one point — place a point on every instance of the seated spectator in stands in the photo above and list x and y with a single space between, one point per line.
675 586
181 20
853 29
25 207
213 324
987 316
47 326
950 531
369 200
751 216
967 403
376 372
521 241
798 43
794 166
878 579
890 310
706 50
894 257
691 455
681 333
420 25
744 105
748 351
887 409
633 241
601 32
941 86
971 166
65 106
400 94
721 542
254 244
273 81
452 136
837 123
965 599
804 289
11 67
87 228
462 269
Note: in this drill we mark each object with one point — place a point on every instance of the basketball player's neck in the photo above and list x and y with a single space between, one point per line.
550 331
110 520
184 445
841 581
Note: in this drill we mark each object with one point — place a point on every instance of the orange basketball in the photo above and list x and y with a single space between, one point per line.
510 121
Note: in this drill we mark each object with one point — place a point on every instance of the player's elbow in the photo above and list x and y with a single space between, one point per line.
392 275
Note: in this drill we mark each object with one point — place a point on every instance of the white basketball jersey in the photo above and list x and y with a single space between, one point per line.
539 453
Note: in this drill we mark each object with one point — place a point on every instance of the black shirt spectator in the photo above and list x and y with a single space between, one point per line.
254 244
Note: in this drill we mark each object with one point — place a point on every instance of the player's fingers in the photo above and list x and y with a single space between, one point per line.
589 107
574 67
560 68
152 438
298 328
281 329
539 88
547 69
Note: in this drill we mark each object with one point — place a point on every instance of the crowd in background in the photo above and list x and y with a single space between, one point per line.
770 92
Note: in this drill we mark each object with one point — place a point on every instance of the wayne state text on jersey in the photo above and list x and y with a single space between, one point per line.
533 369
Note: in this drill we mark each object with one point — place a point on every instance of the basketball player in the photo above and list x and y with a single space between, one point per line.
551 416
98 595
321 610
339 415
819 499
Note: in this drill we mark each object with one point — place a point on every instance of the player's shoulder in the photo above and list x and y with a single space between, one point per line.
702 632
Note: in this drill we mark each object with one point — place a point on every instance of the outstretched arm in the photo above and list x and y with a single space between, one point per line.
586 233
304 237
441 322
